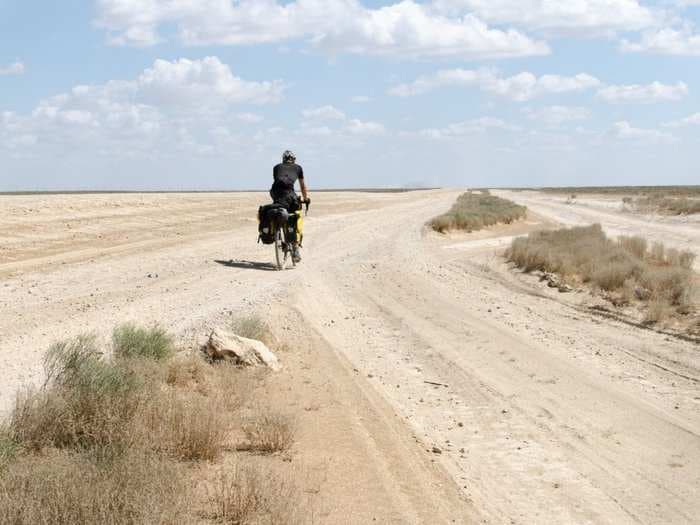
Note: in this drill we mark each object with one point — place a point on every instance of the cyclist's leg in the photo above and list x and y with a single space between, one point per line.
291 202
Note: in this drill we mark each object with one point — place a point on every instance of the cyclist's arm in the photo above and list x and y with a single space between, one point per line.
302 184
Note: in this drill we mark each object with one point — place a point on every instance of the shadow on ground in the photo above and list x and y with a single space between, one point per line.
248 265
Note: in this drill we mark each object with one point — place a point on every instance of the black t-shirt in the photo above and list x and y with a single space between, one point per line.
286 176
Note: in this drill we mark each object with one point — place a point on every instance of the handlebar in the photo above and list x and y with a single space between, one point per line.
306 204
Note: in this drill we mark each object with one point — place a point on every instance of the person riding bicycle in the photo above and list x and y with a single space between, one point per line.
285 175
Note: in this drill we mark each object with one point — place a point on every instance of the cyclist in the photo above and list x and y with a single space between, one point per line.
285 175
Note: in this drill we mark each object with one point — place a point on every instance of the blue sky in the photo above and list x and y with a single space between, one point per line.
206 94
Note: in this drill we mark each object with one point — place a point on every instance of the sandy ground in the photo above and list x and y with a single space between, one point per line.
542 410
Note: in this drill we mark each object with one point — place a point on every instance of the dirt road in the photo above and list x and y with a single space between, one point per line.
541 410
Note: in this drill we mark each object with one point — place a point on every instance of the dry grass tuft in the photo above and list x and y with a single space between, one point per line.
190 372
270 432
254 327
191 427
229 384
474 211
626 266
247 494
131 341
8 448
65 488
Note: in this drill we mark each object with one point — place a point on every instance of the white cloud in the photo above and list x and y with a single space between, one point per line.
358 127
469 127
405 29
692 120
557 115
360 99
323 113
250 118
202 82
559 17
169 105
625 131
16 68
316 131
643 93
667 41
521 87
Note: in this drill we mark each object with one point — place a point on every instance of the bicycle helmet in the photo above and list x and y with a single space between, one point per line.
288 157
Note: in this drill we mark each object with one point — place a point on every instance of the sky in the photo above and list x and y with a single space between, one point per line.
207 94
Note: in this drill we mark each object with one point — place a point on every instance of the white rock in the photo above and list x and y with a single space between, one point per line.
223 344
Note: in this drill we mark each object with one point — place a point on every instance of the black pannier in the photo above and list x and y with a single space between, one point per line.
267 216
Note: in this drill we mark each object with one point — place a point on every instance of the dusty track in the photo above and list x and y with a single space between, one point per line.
550 414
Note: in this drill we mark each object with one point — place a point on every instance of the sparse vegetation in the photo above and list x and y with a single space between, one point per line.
670 200
131 341
270 432
8 448
244 493
675 191
66 488
105 440
626 268
85 402
187 426
664 204
474 211
253 327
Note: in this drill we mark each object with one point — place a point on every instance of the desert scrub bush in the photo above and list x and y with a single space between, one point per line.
626 266
190 372
636 245
131 341
85 402
103 440
223 381
253 327
8 447
248 494
66 488
660 203
474 211
188 427
270 432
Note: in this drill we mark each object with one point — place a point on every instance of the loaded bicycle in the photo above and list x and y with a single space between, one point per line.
283 229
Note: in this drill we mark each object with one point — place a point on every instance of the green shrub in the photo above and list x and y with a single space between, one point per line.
131 341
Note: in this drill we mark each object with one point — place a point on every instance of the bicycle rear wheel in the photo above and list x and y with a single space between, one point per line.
280 252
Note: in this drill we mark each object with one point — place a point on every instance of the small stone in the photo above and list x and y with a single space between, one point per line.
436 450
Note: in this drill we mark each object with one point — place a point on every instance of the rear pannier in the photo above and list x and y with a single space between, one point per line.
267 216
